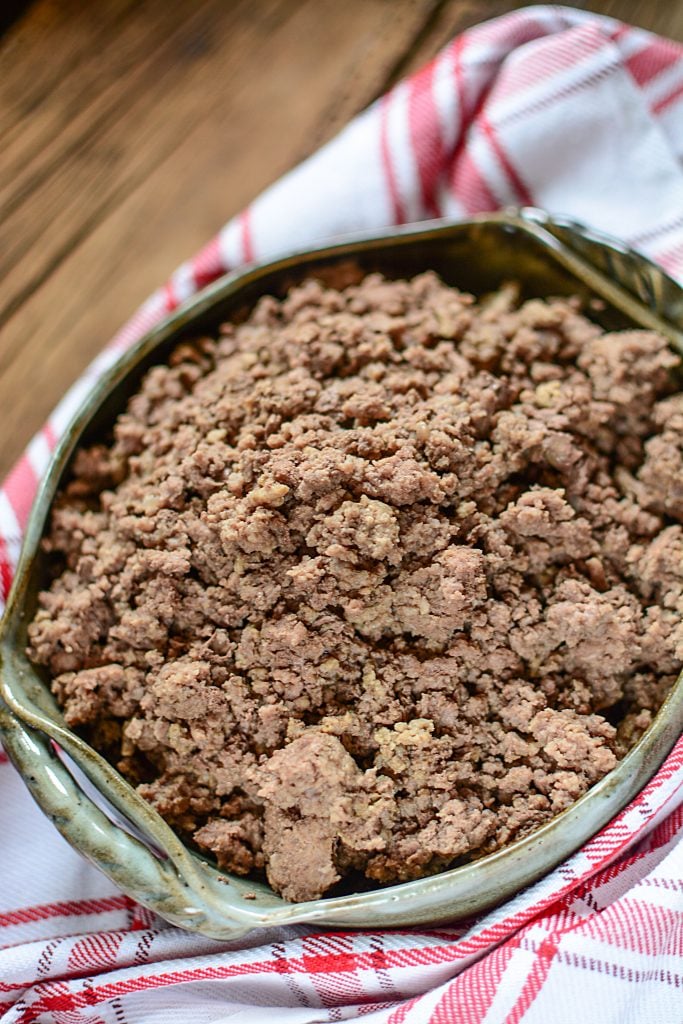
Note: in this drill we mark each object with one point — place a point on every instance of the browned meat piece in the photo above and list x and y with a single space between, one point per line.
359 581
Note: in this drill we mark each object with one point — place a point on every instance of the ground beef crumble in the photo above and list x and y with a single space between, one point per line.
380 579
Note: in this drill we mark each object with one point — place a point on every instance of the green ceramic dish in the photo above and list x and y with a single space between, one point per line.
100 814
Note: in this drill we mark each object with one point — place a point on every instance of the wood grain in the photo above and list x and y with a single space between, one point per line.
132 129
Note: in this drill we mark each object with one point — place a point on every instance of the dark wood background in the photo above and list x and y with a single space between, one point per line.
132 129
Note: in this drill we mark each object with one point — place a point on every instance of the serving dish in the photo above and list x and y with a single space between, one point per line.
101 815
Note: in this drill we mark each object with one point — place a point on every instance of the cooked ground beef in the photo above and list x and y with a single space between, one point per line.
380 579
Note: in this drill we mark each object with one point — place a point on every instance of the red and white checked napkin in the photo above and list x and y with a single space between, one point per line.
548 106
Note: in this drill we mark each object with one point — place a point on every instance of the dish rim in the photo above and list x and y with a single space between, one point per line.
200 899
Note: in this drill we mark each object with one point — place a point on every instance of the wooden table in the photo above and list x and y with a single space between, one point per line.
132 129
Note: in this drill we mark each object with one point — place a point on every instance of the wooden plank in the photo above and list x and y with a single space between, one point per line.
137 120
661 16
113 142
198 130
10 11
43 115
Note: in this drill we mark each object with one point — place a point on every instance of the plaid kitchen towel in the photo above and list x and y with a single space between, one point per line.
547 106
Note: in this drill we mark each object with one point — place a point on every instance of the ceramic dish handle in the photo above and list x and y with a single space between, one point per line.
169 881
643 279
